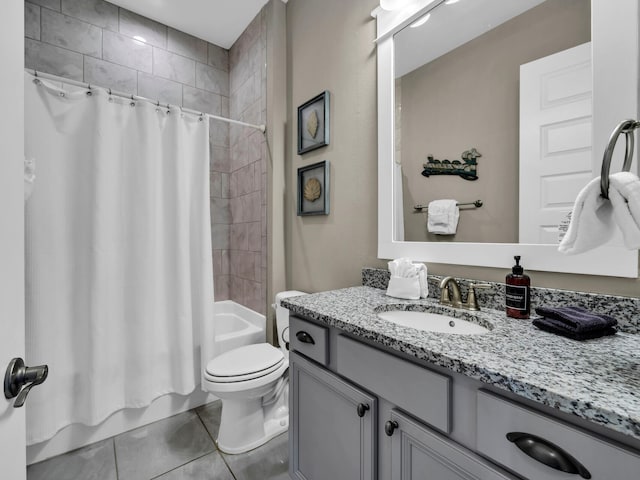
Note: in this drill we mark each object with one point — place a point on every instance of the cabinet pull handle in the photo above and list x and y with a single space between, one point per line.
546 452
362 409
304 337
390 426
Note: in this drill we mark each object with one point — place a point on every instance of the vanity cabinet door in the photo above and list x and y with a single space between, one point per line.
419 453
332 434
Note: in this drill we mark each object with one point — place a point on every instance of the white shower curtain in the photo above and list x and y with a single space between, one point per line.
119 275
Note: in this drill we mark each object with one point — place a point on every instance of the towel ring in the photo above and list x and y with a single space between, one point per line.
627 127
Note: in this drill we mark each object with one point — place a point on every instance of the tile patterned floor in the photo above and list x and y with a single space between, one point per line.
176 448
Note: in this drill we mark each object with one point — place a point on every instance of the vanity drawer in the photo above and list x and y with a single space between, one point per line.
498 417
414 389
309 339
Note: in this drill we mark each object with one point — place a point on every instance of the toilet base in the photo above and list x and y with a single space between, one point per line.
249 423
272 429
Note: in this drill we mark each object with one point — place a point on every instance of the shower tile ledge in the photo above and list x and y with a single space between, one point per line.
580 378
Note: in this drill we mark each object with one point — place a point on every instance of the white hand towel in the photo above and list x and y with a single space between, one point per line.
442 217
624 193
592 223
408 280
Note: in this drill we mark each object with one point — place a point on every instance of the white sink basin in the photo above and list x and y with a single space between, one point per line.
433 322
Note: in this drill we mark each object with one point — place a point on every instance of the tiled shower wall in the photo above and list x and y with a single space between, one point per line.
248 168
93 41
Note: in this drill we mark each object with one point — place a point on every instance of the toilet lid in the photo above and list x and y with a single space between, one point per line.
245 363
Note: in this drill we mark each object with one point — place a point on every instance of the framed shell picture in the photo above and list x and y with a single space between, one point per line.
313 189
313 123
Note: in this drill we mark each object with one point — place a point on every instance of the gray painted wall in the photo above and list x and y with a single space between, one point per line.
330 47
93 41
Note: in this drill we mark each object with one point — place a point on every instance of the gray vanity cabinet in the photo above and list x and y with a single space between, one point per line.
333 425
359 411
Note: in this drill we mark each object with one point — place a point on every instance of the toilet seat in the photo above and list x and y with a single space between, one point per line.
245 363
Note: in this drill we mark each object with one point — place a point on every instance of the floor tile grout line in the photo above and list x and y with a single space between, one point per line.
115 456
206 429
180 466
215 448
224 459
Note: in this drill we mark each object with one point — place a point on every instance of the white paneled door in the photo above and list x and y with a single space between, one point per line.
12 420
555 140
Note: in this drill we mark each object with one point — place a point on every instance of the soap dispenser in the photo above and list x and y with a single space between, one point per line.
518 299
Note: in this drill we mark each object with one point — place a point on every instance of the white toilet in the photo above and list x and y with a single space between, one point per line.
253 384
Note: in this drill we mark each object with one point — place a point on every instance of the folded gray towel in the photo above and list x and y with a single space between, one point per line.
577 319
559 328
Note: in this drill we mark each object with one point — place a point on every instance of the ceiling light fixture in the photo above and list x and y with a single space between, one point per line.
451 2
140 39
421 21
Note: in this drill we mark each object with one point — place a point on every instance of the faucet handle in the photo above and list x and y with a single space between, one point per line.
472 301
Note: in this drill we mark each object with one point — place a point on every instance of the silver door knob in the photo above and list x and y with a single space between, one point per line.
20 379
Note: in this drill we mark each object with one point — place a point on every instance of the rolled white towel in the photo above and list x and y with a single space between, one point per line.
408 280
442 217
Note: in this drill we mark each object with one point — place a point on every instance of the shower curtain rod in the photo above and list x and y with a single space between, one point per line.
76 83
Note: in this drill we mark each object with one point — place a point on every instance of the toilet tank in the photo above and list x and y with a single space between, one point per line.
282 318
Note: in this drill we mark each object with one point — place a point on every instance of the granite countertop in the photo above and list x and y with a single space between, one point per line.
598 380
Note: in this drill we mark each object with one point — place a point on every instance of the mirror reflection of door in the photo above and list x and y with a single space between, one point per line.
468 97
555 140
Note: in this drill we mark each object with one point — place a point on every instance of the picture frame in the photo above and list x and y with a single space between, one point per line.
313 123
313 189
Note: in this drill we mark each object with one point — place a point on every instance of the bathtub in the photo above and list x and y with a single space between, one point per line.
236 325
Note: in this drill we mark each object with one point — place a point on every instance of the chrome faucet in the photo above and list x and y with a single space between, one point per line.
455 300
